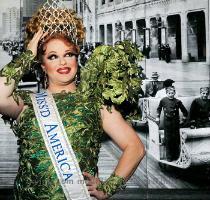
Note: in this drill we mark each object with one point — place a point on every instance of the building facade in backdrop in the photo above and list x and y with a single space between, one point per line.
183 24
86 9
10 23
31 6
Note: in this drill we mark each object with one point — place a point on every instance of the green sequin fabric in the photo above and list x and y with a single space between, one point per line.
37 178
17 68
113 184
109 78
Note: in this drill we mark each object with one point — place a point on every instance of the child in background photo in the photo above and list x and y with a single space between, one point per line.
171 106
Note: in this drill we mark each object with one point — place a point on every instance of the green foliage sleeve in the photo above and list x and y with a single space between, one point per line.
18 67
112 76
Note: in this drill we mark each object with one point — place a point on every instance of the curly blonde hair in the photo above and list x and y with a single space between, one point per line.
56 21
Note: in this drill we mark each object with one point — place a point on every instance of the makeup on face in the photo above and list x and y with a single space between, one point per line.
59 62
64 70
53 55
62 61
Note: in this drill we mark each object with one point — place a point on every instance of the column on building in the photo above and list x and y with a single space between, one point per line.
207 21
184 37
105 34
113 33
208 33
147 32
134 31
147 20
74 5
164 29
92 11
78 6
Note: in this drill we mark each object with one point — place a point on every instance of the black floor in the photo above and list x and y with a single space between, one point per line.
138 194
163 194
6 194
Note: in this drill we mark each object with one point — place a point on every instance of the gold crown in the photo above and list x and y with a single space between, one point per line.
55 18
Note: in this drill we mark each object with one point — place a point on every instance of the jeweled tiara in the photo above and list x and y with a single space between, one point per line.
54 17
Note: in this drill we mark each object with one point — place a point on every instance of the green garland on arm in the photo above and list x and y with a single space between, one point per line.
113 184
112 76
16 69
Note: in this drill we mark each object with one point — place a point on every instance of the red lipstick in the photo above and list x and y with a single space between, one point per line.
63 70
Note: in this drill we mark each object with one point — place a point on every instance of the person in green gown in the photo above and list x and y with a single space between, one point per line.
83 110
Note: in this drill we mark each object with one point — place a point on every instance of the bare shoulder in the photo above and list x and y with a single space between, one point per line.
112 118
110 115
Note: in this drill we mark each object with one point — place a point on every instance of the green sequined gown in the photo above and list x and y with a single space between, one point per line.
82 124
80 114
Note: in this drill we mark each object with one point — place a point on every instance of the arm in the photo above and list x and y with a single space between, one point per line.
148 90
133 152
10 104
126 138
10 76
159 109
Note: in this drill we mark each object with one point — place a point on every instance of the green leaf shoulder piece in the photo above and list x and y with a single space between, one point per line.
112 75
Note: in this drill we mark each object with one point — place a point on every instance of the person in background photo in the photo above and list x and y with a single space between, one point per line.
162 51
167 53
146 51
153 86
200 110
159 51
171 122
162 93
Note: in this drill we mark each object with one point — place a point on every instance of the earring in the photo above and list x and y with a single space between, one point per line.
77 76
76 80
45 81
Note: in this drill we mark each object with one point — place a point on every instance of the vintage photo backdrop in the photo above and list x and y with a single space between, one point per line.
184 26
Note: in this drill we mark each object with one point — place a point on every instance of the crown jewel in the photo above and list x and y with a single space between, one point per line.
54 17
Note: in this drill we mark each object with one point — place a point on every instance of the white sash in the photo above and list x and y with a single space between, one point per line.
59 147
